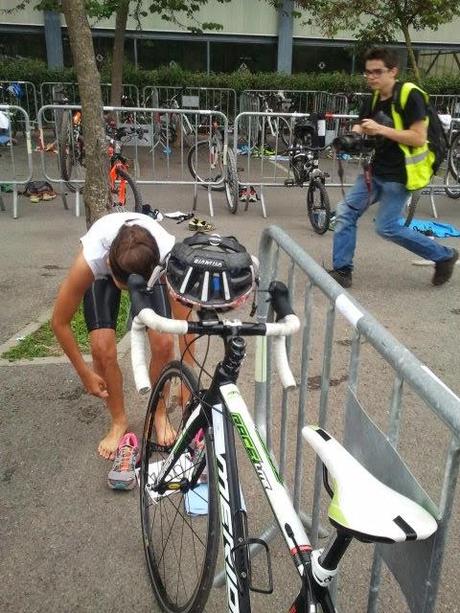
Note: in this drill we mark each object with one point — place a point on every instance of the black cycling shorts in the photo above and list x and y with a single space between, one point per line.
101 303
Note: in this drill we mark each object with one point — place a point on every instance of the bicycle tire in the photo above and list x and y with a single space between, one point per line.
318 214
198 165
454 157
231 182
280 132
411 207
67 161
64 142
198 535
133 203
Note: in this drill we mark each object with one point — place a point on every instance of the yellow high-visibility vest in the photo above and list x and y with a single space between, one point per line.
418 160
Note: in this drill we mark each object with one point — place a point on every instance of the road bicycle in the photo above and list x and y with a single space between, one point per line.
304 164
272 129
182 488
213 165
71 151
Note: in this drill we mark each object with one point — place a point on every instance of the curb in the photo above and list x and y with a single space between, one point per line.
123 346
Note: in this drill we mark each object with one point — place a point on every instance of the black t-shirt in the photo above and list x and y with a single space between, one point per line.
388 161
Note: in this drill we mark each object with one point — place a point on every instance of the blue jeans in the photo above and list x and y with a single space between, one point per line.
391 197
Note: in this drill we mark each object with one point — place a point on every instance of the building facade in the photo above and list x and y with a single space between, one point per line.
254 34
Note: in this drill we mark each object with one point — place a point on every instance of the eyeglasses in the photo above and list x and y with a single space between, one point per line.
377 72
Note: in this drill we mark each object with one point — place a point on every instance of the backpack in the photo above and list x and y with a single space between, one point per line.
437 139
37 187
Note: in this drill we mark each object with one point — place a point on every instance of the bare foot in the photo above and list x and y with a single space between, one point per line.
109 444
166 434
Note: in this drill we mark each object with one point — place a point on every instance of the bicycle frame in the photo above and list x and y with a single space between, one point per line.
223 406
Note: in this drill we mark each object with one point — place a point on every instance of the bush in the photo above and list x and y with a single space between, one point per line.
37 72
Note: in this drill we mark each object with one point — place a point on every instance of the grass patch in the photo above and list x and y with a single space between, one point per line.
42 343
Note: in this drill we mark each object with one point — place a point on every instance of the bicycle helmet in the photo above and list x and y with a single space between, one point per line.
210 271
15 89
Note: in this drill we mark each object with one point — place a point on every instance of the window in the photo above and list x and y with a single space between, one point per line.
227 57
308 58
19 44
190 55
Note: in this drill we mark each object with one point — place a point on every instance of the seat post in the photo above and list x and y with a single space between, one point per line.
333 553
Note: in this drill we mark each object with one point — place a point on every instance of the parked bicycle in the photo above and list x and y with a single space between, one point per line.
71 150
304 165
182 488
213 165
272 129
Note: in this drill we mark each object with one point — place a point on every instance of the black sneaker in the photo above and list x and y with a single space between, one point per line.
343 277
443 270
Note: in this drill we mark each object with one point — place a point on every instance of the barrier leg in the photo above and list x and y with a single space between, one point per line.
77 203
211 208
195 197
262 203
433 206
64 200
15 202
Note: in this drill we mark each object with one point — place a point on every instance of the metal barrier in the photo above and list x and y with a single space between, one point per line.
415 396
262 141
222 99
54 92
262 144
15 155
27 98
163 146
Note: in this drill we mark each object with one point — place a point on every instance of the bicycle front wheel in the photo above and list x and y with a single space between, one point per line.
179 527
318 206
131 199
203 168
231 182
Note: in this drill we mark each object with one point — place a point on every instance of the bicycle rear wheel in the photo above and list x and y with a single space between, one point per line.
454 157
180 546
318 206
411 206
201 168
70 154
133 196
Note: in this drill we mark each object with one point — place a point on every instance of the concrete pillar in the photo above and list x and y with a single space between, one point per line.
53 39
285 29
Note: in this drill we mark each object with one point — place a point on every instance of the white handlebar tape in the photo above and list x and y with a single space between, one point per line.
138 357
282 363
148 318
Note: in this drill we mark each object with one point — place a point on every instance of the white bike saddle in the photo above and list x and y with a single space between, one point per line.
362 504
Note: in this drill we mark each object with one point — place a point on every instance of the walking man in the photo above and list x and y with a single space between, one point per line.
401 148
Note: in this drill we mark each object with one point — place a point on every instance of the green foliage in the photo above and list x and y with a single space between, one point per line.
37 72
42 343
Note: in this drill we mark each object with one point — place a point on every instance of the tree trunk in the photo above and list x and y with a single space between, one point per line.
119 52
410 53
96 192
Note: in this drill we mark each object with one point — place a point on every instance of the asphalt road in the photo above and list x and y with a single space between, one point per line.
68 542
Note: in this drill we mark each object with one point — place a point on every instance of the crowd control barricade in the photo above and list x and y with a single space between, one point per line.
24 96
67 92
262 143
294 101
16 166
222 99
390 411
162 146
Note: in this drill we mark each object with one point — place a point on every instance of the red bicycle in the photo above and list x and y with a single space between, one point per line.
71 149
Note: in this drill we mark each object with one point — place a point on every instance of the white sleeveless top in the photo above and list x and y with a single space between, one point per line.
96 242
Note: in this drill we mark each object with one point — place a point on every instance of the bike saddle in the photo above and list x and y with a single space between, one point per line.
361 504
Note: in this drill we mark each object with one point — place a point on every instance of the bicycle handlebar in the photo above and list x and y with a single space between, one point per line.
145 317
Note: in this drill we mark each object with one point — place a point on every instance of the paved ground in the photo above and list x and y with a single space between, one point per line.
71 544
